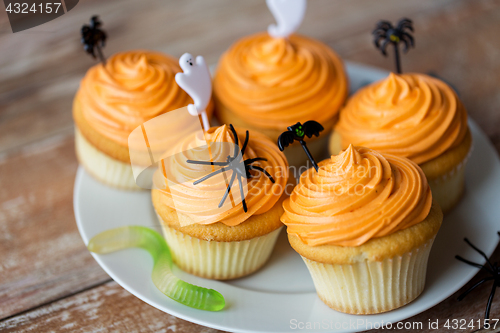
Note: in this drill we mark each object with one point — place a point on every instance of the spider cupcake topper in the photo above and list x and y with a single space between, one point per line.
298 132
492 269
93 38
385 33
239 166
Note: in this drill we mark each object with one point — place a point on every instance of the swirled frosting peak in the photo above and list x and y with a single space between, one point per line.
274 82
356 196
130 89
200 202
410 115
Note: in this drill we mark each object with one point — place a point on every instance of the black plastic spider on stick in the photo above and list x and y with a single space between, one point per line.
241 168
386 33
492 269
94 38
298 132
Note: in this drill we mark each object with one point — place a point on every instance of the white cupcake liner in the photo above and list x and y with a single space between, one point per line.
102 167
219 260
448 188
371 287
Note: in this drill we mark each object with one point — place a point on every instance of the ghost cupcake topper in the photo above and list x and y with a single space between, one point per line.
288 15
197 83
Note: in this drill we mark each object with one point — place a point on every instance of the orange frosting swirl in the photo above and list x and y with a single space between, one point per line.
410 115
200 202
356 196
132 88
274 82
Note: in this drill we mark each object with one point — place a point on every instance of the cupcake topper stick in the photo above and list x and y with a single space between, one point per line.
492 269
385 33
197 83
93 38
298 132
288 15
241 168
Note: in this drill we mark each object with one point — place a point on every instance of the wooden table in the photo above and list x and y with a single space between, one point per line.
48 279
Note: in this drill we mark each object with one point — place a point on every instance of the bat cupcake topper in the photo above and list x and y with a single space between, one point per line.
239 166
492 269
385 33
93 38
298 132
197 83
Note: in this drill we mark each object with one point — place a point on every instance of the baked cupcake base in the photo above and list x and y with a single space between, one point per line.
445 173
381 275
102 167
217 251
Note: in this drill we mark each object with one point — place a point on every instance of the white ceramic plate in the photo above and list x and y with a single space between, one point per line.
281 296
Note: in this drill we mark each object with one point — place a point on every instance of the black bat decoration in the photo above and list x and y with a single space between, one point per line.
492 269
239 169
386 33
298 132
93 38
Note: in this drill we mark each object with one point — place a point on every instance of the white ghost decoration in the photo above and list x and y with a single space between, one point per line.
288 15
197 83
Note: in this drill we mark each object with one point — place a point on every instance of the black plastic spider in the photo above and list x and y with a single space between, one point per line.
492 269
389 34
94 38
241 168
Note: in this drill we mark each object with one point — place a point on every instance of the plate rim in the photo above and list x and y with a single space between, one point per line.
192 318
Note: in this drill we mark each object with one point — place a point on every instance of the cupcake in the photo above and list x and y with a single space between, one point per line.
114 99
414 116
210 237
364 225
265 84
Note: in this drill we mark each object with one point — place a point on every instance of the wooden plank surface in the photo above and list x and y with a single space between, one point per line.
109 307
43 255
48 280
106 308
36 91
